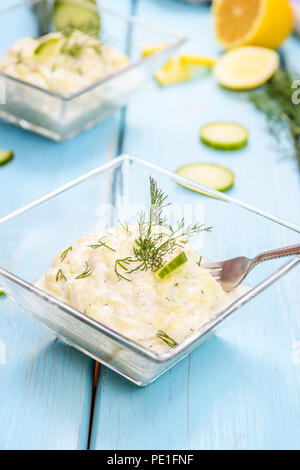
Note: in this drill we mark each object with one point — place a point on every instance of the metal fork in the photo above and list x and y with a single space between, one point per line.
232 272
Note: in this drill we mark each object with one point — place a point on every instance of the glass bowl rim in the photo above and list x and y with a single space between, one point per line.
217 319
180 39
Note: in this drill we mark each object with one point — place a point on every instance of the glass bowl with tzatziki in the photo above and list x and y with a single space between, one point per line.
122 277
66 65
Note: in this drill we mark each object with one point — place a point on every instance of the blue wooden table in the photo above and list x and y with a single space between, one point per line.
241 391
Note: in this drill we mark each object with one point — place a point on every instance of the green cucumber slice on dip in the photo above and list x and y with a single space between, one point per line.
6 156
47 48
213 176
69 16
2 293
172 265
224 135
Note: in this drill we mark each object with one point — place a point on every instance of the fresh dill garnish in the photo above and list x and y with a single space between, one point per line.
166 338
125 227
64 253
87 272
75 43
200 260
60 275
99 245
122 263
275 100
156 238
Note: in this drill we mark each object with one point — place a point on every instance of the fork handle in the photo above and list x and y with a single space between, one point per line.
279 253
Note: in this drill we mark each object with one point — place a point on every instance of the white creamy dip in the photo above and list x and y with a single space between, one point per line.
62 64
142 304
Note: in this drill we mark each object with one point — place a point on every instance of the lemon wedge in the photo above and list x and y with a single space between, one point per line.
197 60
246 67
263 23
148 49
173 72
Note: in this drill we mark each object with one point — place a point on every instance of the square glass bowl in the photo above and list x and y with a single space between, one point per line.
61 117
119 190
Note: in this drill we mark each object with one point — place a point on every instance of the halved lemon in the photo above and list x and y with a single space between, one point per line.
263 23
246 67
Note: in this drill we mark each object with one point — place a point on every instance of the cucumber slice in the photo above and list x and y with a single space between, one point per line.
2 293
172 265
70 16
47 48
209 174
6 156
224 135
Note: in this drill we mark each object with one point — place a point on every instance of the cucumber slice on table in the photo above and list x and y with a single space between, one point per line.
70 16
209 174
6 156
172 265
224 135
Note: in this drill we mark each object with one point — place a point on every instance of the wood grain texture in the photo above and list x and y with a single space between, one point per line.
46 386
241 390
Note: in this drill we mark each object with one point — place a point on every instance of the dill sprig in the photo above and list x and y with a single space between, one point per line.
64 253
122 263
156 238
166 338
275 100
200 261
87 272
100 244
60 275
125 227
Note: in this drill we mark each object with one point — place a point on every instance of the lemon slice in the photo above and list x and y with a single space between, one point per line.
173 72
252 22
246 67
202 61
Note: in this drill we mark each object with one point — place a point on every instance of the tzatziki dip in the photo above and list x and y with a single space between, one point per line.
62 62
142 280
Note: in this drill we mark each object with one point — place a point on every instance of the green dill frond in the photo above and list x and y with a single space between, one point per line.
166 338
275 101
100 244
60 275
156 239
125 227
122 263
200 261
87 272
64 253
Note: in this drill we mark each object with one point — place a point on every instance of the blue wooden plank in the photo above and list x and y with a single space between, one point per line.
46 386
240 391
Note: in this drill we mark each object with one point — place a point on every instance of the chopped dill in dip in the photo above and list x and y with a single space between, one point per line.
62 62
112 277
